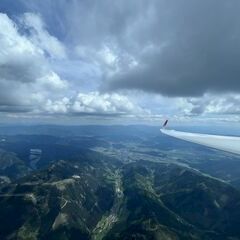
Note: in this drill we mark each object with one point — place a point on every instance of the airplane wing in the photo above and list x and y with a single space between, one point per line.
224 143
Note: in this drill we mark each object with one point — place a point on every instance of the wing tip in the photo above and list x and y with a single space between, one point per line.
165 123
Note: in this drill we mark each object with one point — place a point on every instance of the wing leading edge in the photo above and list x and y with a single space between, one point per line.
224 143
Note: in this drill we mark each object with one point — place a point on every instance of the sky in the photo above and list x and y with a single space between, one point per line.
120 62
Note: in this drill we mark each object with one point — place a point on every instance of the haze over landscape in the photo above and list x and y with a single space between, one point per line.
85 87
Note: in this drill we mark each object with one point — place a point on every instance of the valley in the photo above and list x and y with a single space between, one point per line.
106 223
126 185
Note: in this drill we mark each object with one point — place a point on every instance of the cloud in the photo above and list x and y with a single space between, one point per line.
20 60
229 104
173 48
193 50
178 48
94 103
225 104
29 83
183 56
25 71
52 81
40 37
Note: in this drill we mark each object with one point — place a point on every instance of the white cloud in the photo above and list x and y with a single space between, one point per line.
29 78
26 76
40 36
20 59
210 104
226 104
108 55
94 103
30 84
52 81
58 106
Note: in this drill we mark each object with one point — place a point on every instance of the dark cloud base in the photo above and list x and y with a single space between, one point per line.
201 52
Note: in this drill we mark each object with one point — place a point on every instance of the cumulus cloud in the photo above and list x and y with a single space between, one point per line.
229 104
24 70
28 83
188 50
94 103
20 60
40 37
225 104
173 48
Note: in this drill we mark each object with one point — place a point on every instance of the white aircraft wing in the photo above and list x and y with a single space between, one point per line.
225 143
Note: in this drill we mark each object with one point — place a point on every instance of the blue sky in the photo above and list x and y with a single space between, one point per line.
120 62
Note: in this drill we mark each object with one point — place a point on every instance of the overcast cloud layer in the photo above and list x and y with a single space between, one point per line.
142 59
